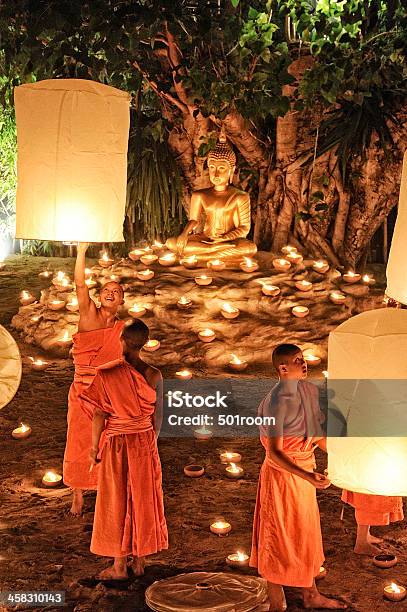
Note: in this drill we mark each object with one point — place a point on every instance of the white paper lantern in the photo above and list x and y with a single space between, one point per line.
397 264
72 137
367 367
10 367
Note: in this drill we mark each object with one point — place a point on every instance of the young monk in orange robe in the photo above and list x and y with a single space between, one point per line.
129 514
287 540
372 510
97 342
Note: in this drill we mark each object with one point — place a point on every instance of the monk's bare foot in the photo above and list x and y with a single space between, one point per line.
366 548
112 573
319 601
138 566
373 540
77 503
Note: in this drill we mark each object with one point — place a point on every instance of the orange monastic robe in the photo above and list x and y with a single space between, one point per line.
374 509
287 540
91 350
129 512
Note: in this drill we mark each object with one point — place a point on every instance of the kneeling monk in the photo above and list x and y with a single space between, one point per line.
129 514
287 541
97 342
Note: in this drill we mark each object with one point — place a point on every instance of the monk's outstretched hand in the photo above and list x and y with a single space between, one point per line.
319 481
93 457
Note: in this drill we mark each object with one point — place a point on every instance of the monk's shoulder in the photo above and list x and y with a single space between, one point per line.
153 376
310 388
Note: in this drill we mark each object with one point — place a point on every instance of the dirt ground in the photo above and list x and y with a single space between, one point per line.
44 549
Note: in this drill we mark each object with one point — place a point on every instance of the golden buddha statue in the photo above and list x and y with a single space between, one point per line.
226 211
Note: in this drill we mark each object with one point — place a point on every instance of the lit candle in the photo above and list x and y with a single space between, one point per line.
322 573
51 479
237 559
294 257
229 457
184 302
21 432
303 285
105 261
248 265
216 264
394 592
56 304
45 274
237 364
300 311
26 298
90 283
148 258
189 262
281 264
271 290
203 280
183 374
88 272
194 471
168 259
61 281
38 364
206 335
320 266
35 319
325 373
151 346
229 311
203 433
288 249
351 277
157 245
137 311
234 471
337 297
135 254
65 340
311 359
145 275
72 305
368 280
221 527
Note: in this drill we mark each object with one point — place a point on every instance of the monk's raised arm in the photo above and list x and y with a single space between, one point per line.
82 291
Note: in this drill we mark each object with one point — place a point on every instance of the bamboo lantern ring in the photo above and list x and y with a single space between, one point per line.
72 139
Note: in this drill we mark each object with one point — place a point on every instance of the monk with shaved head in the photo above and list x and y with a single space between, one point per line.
96 343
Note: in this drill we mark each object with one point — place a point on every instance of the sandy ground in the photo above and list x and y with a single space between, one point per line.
43 549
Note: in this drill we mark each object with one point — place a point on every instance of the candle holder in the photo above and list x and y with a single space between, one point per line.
320 266
72 305
394 592
206 335
90 283
45 274
56 304
189 262
238 560
216 264
151 346
203 433
137 311
169 259
248 265
26 298
385 560
135 254
303 285
51 479
184 303
148 258
203 280
105 261
157 245
237 364
183 374
351 277
337 297
38 364
230 457
368 280
220 528
194 471
294 257
281 264
21 432
288 249
65 341
322 573
145 275
229 311
311 359
270 290
234 471
300 311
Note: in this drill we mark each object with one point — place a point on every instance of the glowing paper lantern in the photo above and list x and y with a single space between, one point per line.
367 387
396 267
10 367
72 160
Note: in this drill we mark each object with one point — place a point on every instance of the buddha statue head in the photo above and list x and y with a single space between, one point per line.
221 163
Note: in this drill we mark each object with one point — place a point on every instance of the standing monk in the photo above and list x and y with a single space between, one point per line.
129 514
96 342
287 541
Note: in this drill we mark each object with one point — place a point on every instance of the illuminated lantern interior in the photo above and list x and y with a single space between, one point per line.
10 367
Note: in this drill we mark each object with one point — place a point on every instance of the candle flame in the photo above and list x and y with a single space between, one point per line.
184 300
228 307
366 278
234 468
168 256
395 588
22 428
73 301
241 556
290 249
151 343
51 476
158 244
191 259
105 257
325 373
60 276
25 295
220 524
235 359
183 373
207 332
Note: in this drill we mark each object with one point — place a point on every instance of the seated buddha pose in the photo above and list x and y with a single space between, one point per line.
226 210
